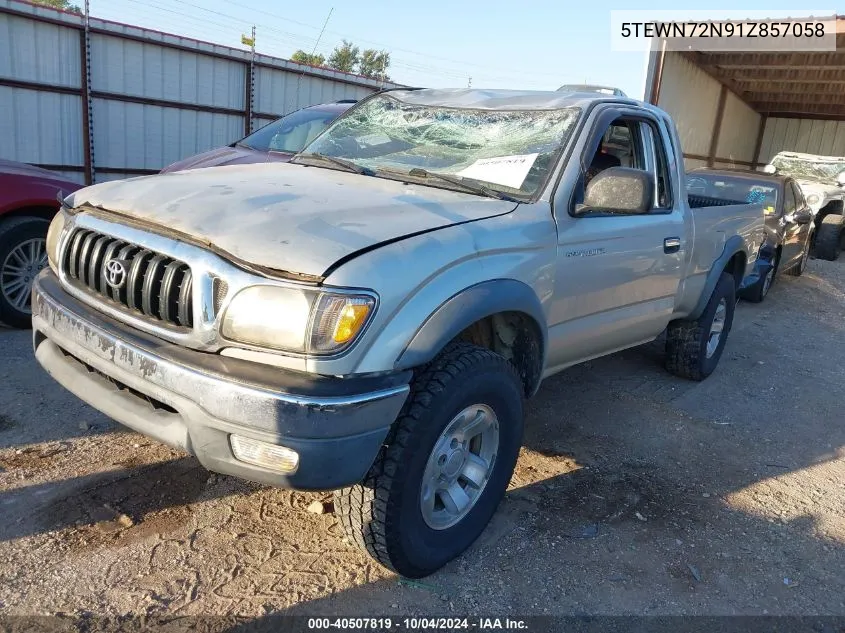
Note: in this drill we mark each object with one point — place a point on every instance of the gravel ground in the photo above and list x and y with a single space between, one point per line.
635 493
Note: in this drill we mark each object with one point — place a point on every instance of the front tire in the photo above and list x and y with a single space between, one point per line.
830 237
445 464
23 255
693 348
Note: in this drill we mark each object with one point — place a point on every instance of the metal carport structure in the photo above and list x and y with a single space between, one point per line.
738 109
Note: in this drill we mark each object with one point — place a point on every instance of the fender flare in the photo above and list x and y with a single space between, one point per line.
465 308
733 246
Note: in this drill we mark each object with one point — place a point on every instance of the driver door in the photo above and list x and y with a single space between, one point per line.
799 233
617 275
791 230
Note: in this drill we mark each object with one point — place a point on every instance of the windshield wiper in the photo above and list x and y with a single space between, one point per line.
340 162
473 186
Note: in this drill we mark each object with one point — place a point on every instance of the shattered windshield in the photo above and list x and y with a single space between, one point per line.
508 151
820 170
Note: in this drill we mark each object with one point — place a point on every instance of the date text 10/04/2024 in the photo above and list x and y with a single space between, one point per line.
417 623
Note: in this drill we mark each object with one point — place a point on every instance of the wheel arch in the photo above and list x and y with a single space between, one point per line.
731 261
42 211
503 315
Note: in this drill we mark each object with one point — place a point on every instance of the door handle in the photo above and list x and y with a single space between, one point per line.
671 245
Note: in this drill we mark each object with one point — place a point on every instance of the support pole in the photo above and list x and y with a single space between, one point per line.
717 126
87 110
249 82
759 144
657 79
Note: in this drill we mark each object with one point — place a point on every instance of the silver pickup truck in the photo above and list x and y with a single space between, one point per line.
370 317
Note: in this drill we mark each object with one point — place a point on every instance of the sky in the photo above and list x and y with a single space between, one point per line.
530 44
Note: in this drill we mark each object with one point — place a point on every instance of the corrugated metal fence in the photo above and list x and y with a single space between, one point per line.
811 136
112 100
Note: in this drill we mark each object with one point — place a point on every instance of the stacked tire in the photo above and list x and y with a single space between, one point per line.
830 237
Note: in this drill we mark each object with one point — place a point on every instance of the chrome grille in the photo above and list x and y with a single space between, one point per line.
155 285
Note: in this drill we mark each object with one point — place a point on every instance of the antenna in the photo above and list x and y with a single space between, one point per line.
322 30
313 51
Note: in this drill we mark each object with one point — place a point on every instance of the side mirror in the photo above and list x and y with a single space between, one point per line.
802 216
619 190
770 169
840 178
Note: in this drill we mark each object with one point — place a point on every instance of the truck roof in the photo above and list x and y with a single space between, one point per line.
504 99
610 90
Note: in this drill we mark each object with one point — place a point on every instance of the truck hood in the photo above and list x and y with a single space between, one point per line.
824 191
286 217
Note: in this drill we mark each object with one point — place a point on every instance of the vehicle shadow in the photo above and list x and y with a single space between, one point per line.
35 409
635 493
106 504
648 514
641 494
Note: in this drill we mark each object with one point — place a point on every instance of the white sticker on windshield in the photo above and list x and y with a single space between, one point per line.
509 171
373 139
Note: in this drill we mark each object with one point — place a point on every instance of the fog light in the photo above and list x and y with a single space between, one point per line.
264 454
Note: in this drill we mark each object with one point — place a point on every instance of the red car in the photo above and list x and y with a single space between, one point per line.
28 201
276 141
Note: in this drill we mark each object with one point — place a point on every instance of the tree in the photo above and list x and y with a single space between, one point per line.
345 57
302 57
374 64
64 5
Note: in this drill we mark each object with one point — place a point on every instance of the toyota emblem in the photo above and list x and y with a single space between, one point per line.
115 273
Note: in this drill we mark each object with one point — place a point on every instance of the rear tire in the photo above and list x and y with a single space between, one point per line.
387 515
830 237
22 256
692 347
798 269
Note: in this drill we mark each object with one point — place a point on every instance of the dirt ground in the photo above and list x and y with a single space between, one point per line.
636 493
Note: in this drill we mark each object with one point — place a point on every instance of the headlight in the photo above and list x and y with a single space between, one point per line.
53 235
296 320
813 199
270 317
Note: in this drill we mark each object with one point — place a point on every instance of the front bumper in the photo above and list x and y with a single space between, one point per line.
194 400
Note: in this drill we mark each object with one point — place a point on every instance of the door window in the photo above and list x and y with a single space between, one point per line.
800 202
658 165
635 143
788 200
